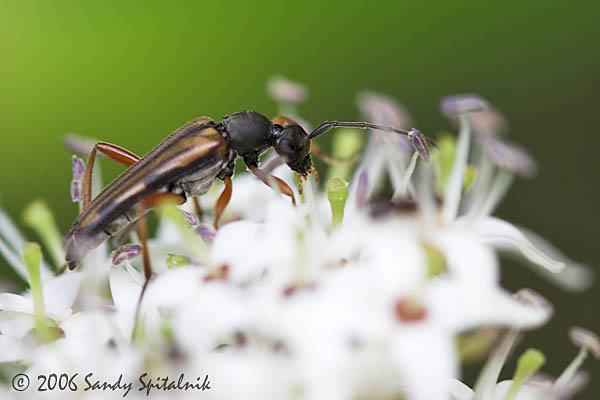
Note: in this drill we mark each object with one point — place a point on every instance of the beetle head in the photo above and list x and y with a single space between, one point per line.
293 143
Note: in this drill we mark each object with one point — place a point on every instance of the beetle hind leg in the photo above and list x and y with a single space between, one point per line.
113 152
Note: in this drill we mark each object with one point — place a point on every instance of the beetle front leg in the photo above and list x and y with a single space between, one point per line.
284 188
113 152
223 201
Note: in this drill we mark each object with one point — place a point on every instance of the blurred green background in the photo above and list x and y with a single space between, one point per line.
131 72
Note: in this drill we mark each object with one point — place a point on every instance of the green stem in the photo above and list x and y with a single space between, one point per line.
337 193
32 255
37 216
529 363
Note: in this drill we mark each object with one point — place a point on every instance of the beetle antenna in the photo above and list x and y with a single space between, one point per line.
327 125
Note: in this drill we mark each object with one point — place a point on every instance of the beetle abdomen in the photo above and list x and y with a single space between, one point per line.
196 149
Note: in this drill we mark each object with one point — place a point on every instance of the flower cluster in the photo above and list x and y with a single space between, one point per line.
372 289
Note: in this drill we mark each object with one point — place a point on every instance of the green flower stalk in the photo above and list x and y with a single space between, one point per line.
337 193
32 255
37 216
529 363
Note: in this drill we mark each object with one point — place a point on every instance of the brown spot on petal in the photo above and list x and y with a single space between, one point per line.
294 288
409 310
220 273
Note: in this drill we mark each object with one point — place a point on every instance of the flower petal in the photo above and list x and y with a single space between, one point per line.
425 359
11 243
12 349
60 292
458 390
474 307
502 234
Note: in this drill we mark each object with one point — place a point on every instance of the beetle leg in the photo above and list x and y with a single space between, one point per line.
147 203
283 187
198 208
223 201
113 152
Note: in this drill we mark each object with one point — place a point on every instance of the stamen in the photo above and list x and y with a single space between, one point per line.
282 89
125 253
534 299
426 197
499 188
79 144
206 232
584 338
402 191
77 182
588 342
486 382
457 105
488 122
191 219
362 189
509 156
455 182
384 110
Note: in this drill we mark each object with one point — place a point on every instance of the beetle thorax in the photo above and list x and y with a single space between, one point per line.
248 133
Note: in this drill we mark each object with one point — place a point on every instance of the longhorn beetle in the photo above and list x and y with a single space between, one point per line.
187 163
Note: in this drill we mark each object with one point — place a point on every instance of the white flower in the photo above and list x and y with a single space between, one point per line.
281 302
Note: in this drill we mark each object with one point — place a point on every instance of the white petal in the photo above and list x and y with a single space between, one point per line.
461 307
15 302
502 234
210 317
12 349
12 248
91 325
125 288
526 392
425 359
173 287
469 261
24 304
458 390
15 324
60 292
575 276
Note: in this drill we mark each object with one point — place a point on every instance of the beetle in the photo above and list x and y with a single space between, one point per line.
187 163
